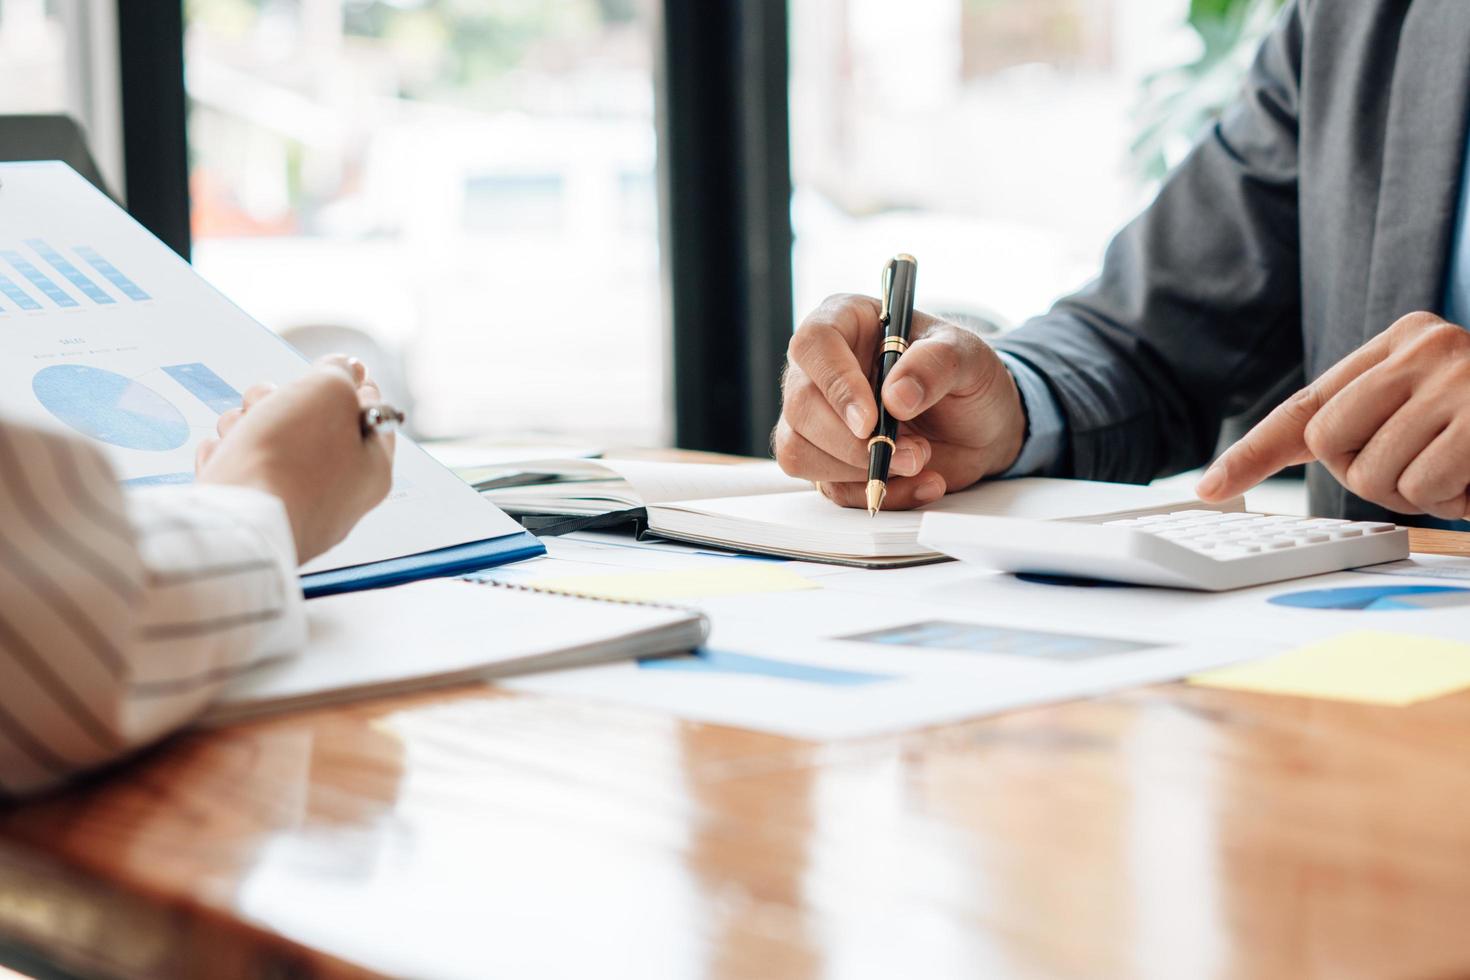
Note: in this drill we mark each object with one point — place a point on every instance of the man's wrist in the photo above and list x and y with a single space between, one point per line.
1043 446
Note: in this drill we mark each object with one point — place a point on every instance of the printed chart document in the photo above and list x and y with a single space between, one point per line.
105 330
433 633
757 508
857 653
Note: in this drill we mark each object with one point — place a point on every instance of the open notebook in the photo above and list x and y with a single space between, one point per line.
757 508
366 644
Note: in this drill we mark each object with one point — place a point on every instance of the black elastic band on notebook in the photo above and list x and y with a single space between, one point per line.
552 526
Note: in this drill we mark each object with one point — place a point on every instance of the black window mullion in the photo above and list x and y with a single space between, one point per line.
725 182
150 35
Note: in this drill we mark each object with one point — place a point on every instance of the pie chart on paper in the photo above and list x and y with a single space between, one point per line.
110 407
1377 598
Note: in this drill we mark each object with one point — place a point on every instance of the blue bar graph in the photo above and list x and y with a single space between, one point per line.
110 272
978 638
160 480
38 279
70 272
206 386
17 295
724 662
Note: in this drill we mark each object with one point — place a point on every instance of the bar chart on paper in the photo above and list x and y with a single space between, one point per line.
35 275
16 295
726 662
1377 598
978 638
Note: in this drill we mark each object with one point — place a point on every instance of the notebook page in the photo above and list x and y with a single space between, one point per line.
401 638
810 522
800 520
658 483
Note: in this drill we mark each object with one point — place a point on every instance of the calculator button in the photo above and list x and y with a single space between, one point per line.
1309 538
1276 544
1338 533
1372 527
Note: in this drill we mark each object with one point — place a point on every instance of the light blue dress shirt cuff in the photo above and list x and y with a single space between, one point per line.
1046 430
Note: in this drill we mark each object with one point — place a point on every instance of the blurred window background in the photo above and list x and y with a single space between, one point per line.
61 58
466 186
993 139
33 62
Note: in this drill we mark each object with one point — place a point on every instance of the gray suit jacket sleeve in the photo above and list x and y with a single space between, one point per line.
1197 312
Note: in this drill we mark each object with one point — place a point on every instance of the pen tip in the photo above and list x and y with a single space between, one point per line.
876 492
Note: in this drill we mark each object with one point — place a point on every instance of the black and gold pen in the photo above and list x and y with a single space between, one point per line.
896 315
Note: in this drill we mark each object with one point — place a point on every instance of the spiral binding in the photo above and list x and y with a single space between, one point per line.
590 597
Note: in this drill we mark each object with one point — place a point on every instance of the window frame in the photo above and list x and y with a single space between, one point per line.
150 41
725 209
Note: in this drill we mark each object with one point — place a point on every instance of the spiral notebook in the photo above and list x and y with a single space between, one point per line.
433 633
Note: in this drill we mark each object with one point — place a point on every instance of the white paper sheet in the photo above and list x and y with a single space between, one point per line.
857 688
806 663
469 455
447 631
657 483
806 523
105 330
1449 567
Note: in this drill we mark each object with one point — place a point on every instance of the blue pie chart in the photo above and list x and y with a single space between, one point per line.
110 407
1377 598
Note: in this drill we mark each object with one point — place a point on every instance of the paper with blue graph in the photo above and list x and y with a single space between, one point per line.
106 331
822 652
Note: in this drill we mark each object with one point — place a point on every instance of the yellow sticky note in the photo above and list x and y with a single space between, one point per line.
727 578
1370 667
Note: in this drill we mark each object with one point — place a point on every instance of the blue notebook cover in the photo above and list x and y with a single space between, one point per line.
444 563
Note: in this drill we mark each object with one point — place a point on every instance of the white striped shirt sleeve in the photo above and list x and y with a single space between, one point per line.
121 616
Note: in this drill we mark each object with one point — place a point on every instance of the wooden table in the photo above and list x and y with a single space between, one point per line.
1167 832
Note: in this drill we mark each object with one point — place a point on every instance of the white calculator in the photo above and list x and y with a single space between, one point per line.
1188 549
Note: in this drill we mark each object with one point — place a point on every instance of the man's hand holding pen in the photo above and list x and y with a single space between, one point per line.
896 315
960 413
